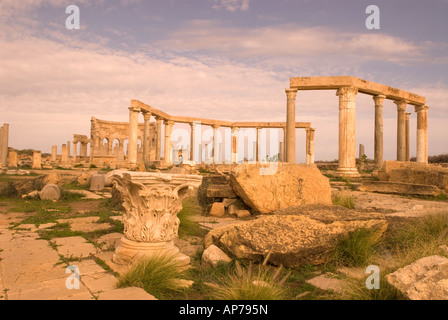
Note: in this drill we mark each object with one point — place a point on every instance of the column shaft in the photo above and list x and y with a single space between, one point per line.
158 138
235 144
133 137
168 142
347 132
407 142
422 133
146 138
401 130
378 144
215 150
291 126
5 138
258 145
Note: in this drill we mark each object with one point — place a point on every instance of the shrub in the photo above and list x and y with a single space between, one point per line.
249 284
157 275
355 249
344 199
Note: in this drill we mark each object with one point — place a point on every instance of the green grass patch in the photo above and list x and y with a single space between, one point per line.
344 199
355 249
60 230
187 225
252 283
157 275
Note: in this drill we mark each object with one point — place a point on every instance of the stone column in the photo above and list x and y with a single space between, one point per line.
235 144
401 130
133 137
291 125
192 132
347 132
408 151
54 153
310 145
215 150
378 144
83 151
68 151
281 152
158 138
422 133
5 137
37 160
168 142
146 138
64 156
1 148
75 151
12 159
258 145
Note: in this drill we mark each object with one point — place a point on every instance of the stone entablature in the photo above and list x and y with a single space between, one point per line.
168 121
347 88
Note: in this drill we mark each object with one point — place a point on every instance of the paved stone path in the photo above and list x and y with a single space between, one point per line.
31 268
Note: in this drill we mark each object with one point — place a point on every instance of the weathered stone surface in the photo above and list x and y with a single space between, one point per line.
290 185
242 214
233 208
399 188
50 192
75 247
97 182
425 279
220 191
295 236
84 178
131 293
415 173
217 209
213 255
26 186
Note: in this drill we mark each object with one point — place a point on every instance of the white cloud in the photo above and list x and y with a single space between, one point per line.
232 5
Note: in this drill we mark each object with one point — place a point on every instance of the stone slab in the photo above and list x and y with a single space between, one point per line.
76 247
399 188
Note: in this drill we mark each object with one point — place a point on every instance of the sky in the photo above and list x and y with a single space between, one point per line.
219 59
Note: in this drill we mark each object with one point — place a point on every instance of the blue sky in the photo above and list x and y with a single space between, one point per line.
222 59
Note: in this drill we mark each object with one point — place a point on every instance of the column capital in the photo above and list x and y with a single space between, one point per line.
168 122
291 94
146 115
421 108
134 109
347 93
407 114
215 126
379 99
401 105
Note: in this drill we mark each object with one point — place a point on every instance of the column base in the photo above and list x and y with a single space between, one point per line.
348 172
129 251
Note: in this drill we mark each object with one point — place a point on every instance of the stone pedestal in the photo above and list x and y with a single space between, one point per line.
152 202
12 159
37 160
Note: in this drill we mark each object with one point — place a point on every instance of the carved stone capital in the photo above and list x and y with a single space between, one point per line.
421 108
401 105
347 93
379 99
291 94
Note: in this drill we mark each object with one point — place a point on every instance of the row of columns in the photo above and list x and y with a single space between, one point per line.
168 145
347 130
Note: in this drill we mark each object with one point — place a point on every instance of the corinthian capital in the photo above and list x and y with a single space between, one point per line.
347 93
291 94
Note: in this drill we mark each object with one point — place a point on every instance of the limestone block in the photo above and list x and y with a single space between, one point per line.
12 159
84 178
220 191
213 255
399 188
288 185
425 279
295 236
50 192
241 214
217 209
97 182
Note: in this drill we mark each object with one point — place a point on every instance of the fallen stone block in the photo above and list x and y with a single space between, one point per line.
295 236
399 188
425 279
220 191
50 192
97 182
289 185
217 209
213 255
